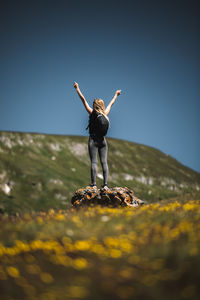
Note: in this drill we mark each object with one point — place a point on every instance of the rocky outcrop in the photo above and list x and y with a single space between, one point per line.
115 196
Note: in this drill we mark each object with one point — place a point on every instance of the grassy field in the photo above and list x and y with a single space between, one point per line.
151 252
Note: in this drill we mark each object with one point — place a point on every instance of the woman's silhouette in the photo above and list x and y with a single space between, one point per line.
97 141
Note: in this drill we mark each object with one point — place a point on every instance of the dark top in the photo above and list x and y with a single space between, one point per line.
97 127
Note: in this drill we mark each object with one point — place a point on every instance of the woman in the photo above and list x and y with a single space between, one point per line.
97 142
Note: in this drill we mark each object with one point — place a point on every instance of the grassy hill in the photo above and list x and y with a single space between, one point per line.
40 171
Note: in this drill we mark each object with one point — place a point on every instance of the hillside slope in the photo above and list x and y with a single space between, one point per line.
41 171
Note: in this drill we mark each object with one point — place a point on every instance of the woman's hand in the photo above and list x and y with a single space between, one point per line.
118 92
75 85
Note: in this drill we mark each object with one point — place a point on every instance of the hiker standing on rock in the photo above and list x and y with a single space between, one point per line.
98 127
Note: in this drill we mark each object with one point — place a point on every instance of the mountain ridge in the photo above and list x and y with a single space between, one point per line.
114 138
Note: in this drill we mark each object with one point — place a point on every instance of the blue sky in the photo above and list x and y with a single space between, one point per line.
148 49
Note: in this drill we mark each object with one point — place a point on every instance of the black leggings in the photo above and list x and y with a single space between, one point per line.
98 144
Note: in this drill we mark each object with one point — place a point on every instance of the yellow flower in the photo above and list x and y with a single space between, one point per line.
174 233
82 245
12 271
51 212
185 226
59 217
111 242
36 245
24 247
61 260
46 277
125 245
80 263
115 253
189 206
39 220
98 249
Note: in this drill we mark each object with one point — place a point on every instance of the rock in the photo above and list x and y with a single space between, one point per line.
6 188
115 196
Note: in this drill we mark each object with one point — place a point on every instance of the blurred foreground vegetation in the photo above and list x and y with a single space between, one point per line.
151 252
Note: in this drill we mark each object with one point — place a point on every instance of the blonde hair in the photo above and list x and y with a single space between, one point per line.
99 106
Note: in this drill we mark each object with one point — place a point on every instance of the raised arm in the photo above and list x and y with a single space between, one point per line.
117 93
87 107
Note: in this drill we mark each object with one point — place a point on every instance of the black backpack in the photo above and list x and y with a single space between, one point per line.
98 124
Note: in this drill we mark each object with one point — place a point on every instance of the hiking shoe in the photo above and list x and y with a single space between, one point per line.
105 187
93 186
